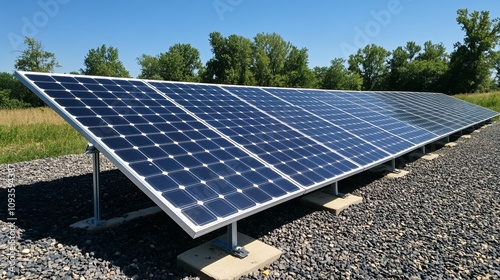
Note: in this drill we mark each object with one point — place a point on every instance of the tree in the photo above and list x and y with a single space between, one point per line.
296 70
270 53
471 61
337 76
150 67
13 94
180 63
232 60
370 64
35 58
104 61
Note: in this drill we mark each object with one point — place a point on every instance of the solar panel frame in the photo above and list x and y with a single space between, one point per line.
142 116
139 180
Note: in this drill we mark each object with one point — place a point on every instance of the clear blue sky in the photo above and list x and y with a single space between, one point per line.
329 29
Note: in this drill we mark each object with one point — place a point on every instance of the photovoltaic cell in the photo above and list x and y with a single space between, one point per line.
198 176
210 155
280 145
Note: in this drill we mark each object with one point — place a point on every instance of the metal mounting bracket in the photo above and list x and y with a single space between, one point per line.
230 245
91 149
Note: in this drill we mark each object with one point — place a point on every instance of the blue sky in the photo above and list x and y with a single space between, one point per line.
329 29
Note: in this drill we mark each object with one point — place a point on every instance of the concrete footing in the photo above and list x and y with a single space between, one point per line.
104 224
330 202
397 174
451 144
466 136
430 156
210 262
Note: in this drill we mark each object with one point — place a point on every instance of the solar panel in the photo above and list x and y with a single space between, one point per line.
210 155
281 145
197 176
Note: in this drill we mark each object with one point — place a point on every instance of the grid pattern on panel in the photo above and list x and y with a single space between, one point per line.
274 142
447 108
204 177
344 114
374 113
332 136
387 104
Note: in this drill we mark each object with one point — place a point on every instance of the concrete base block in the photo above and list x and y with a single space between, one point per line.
104 224
210 262
430 156
451 144
477 131
330 202
397 174
467 136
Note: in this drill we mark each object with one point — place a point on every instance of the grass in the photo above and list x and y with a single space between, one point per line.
489 100
28 134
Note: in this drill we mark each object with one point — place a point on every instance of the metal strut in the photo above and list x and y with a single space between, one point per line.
230 245
91 149
393 166
423 149
335 189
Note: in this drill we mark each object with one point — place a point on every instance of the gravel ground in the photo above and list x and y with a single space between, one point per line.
440 221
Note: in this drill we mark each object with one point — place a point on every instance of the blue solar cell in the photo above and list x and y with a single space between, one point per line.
201 192
257 195
260 145
179 198
199 215
168 164
146 168
221 208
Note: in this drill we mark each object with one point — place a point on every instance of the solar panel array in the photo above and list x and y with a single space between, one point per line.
210 155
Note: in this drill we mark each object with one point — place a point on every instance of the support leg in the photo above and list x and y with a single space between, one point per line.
230 245
96 172
335 189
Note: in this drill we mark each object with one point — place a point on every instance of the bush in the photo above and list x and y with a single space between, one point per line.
7 102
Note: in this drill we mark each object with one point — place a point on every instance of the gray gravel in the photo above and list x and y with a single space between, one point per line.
441 221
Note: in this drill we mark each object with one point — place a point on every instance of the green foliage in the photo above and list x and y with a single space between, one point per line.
35 58
104 61
296 70
232 60
271 51
337 76
413 68
471 60
370 64
181 63
13 94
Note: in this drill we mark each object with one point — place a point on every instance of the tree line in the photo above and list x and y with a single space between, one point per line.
270 60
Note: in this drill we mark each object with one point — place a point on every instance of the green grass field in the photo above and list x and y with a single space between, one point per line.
35 133
28 134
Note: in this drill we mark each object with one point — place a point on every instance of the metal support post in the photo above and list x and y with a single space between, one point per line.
393 166
448 138
335 189
423 150
230 245
91 149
